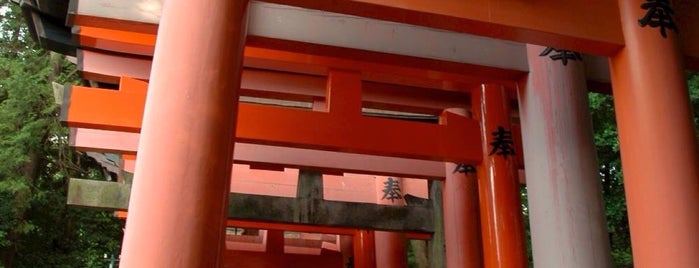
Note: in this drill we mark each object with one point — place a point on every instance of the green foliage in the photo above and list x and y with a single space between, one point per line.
693 82
607 145
37 229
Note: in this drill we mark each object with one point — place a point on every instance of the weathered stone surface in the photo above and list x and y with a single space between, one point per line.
310 210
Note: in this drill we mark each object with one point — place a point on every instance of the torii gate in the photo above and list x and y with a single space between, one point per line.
205 51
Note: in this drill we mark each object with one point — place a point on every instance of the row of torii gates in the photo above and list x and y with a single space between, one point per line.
400 90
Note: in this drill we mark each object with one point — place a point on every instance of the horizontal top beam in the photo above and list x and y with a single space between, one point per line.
591 26
455 140
108 68
350 37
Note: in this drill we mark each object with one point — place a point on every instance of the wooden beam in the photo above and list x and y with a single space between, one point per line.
47 32
98 194
455 141
288 56
85 139
236 258
139 44
301 228
331 213
109 68
88 193
521 22
557 23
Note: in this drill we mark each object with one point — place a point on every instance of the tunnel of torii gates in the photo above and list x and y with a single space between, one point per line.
354 125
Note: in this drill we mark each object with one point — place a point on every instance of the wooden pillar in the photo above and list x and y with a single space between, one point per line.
462 223
364 249
500 206
274 242
177 210
391 249
566 210
436 245
657 140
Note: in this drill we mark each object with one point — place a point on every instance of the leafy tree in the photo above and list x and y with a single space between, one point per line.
37 229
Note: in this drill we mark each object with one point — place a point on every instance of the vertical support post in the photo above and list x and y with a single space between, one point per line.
657 140
309 192
462 223
343 93
437 246
565 196
391 249
500 206
177 210
274 242
364 249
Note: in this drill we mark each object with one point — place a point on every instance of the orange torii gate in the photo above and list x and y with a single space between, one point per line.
198 62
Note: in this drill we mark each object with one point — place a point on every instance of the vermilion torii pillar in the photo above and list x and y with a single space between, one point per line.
462 232
656 136
364 249
500 205
566 212
390 246
178 201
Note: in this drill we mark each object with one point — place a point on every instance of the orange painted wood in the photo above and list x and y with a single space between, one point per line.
457 140
108 68
657 141
274 241
375 67
548 23
248 244
84 101
364 249
454 141
115 40
95 140
177 207
500 206
290 227
462 222
296 227
101 67
461 217
236 259
123 25
391 249
560 23
304 58
246 180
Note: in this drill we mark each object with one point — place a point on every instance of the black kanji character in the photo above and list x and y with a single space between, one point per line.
503 143
659 14
391 190
561 54
465 169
